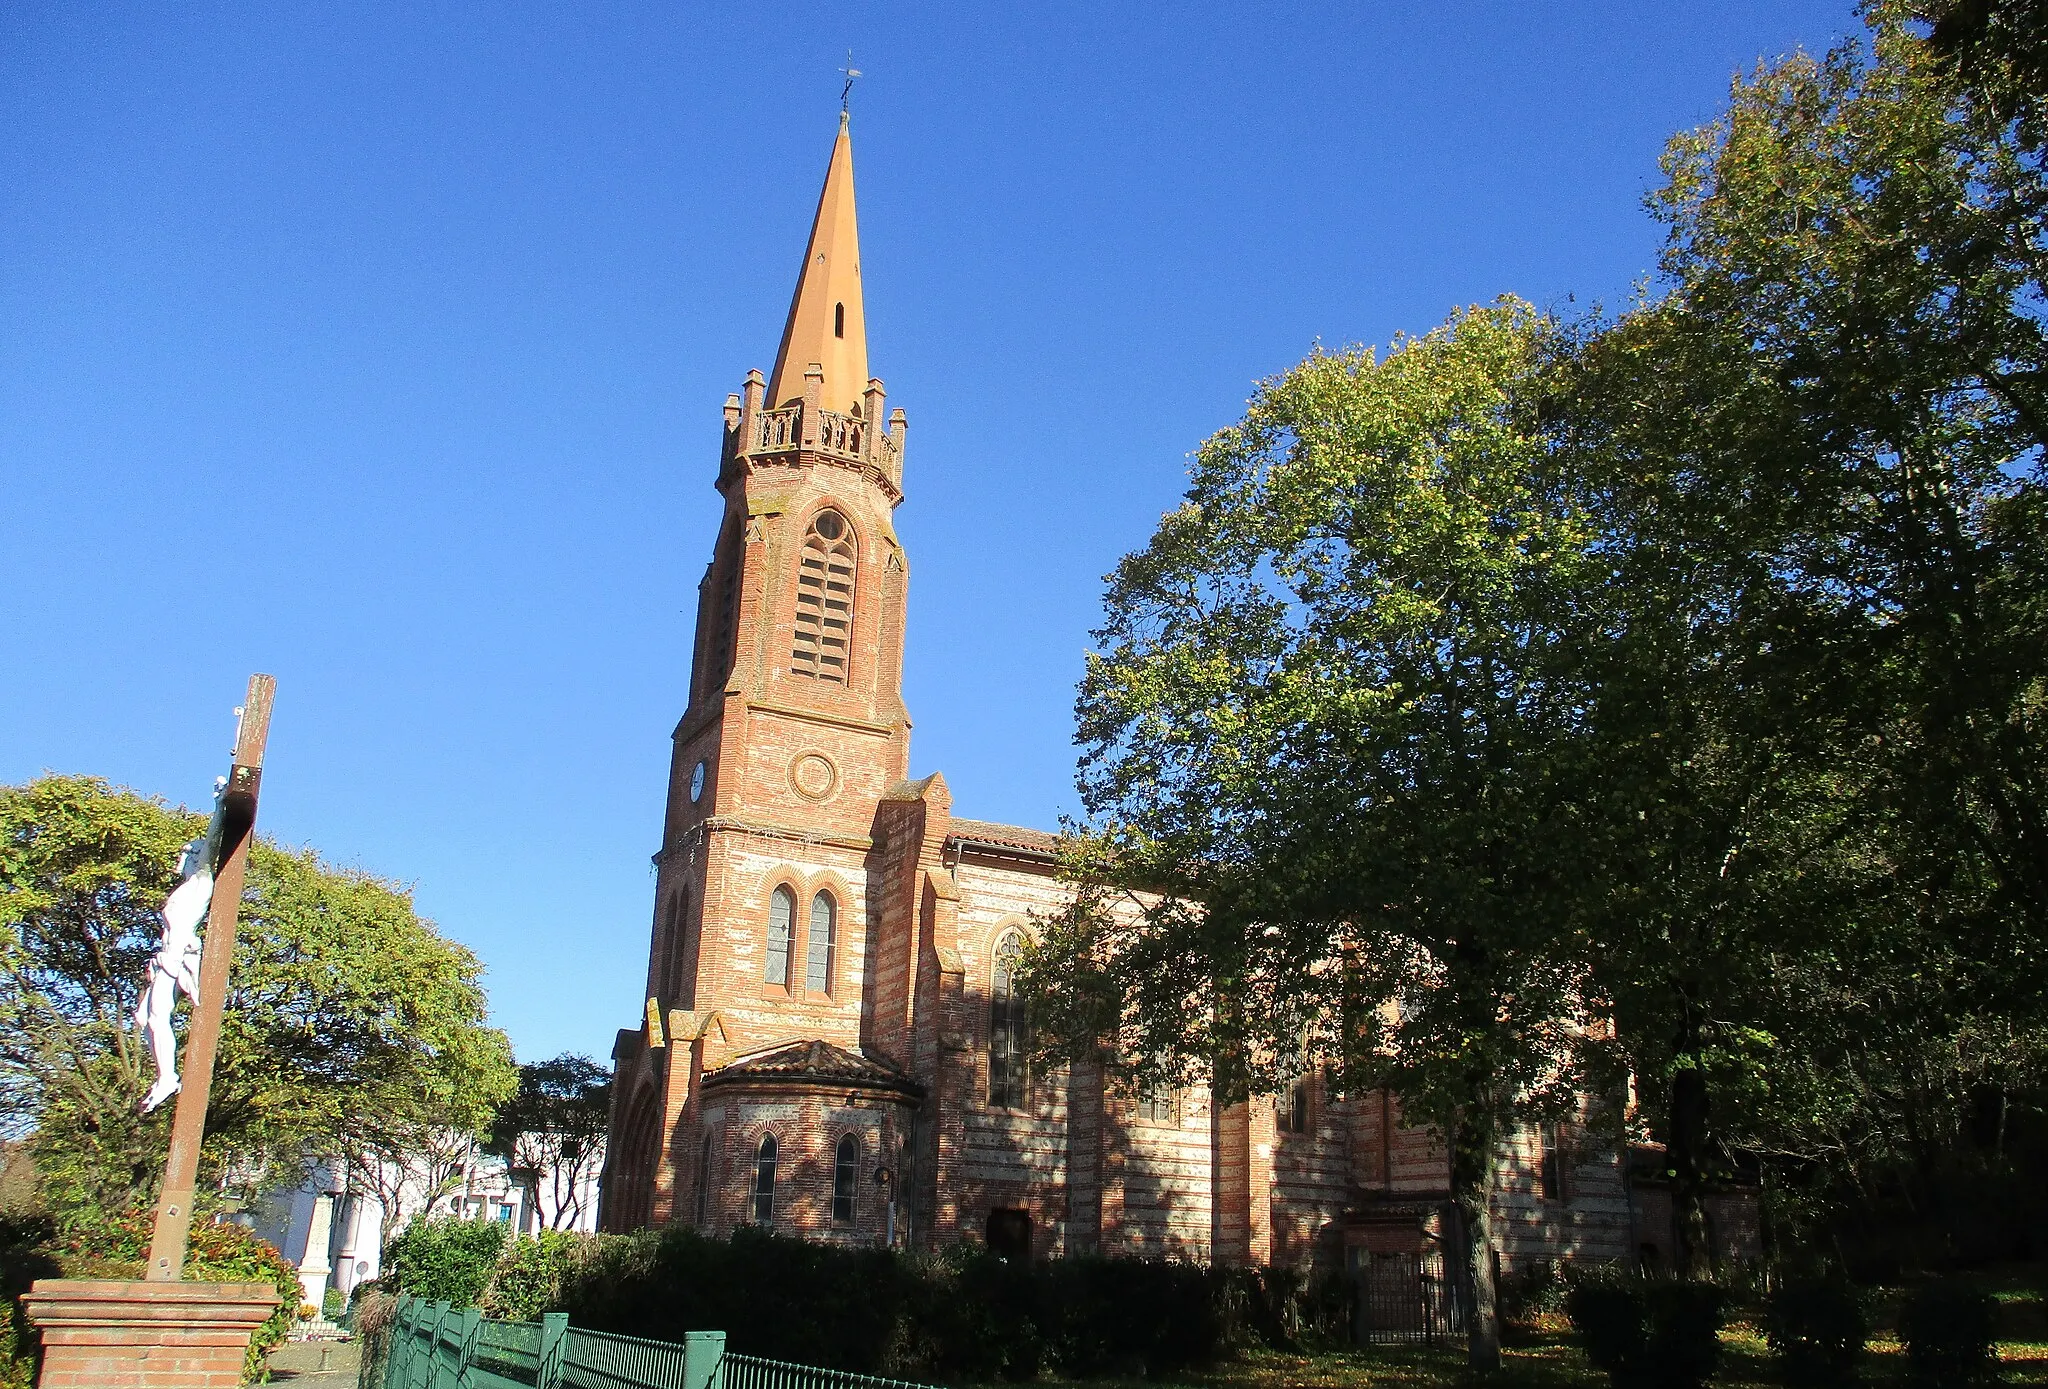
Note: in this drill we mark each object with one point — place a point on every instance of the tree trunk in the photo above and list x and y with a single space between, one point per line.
1475 1165
1684 1160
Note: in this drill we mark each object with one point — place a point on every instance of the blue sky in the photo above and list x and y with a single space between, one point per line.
381 347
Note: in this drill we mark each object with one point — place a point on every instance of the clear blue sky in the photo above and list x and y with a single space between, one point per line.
382 347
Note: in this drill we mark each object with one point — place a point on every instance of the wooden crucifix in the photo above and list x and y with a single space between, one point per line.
202 1033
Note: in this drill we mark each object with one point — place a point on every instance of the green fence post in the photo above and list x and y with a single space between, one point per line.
703 1358
466 1323
554 1340
439 1316
404 1333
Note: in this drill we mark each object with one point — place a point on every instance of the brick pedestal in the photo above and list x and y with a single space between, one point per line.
113 1334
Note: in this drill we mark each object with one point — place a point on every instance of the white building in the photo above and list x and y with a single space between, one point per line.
335 1224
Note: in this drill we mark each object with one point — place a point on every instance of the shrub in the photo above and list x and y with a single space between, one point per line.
1611 1322
527 1279
25 1241
1645 1334
1816 1328
1685 1332
1530 1291
447 1259
373 1311
1950 1333
961 1314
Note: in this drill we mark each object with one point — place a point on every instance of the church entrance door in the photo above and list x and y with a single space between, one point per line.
1009 1233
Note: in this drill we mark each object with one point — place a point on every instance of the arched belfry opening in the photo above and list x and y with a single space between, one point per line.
824 600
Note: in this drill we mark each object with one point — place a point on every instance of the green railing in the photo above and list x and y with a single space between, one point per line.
431 1345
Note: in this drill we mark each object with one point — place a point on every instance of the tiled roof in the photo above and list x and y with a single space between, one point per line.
813 1062
1009 836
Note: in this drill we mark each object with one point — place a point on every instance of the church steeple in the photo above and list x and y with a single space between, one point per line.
826 324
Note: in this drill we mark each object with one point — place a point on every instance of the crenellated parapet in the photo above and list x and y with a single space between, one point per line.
755 434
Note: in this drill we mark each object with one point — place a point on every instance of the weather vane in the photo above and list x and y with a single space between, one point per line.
846 92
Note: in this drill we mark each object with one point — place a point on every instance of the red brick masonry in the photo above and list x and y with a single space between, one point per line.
113 1334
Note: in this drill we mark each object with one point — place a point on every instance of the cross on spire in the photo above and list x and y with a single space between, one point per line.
846 92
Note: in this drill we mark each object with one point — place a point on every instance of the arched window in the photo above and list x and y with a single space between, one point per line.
671 987
764 1182
1008 1044
1159 1102
824 600
781 921
1293 1109
730 561
839 320
845 1179
704 1184
824 929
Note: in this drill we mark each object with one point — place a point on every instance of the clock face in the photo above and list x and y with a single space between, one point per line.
697 783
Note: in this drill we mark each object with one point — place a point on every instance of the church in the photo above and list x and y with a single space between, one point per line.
829 1044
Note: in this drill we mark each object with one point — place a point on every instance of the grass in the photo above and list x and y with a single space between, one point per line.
1542 1356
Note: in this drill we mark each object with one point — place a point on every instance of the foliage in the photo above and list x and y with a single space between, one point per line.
1322 756
444 1259
1817 1328
349 1019
373 1314
25 1255
1687 671
1532 1290
960 1314
1950 1333
1825 655
555 1125
1645 1333
527 1279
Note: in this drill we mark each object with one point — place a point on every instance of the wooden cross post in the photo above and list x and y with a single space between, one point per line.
217 953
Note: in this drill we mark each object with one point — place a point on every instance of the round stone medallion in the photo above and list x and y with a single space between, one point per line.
813 776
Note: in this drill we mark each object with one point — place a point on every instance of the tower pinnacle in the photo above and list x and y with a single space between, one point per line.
826 323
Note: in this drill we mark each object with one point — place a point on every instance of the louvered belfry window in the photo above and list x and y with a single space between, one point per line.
824 600
730 562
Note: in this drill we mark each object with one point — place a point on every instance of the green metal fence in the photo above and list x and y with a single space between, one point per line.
431 1345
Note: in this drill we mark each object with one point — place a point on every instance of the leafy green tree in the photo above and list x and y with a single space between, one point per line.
553 1130
1820 668
1324 747
1714 769
348 1016
1878 250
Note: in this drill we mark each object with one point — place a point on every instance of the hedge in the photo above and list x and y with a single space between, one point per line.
963 1313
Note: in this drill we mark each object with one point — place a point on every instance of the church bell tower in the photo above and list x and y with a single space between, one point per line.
799 639
794 731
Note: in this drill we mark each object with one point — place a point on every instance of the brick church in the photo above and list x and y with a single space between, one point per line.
829 1044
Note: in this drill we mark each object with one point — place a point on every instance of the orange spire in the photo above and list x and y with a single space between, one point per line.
826 324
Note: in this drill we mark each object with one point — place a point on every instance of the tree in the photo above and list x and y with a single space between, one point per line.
553 1129
1323 746
1820 670
348 1018
1876 247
